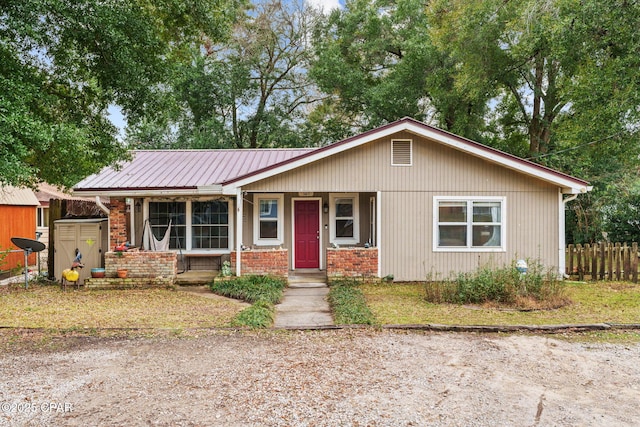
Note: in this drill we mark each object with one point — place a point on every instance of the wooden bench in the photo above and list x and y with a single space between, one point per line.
217 260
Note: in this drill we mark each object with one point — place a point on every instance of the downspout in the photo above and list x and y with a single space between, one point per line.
239 214
561 237
106 210
102 207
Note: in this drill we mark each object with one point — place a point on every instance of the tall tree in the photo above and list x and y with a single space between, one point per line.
62 64
250 91
547 62
566 75
376 59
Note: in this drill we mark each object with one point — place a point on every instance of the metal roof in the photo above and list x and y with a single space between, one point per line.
184 169
17 196
166 171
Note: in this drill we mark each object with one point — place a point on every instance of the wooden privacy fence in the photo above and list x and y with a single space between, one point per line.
603 261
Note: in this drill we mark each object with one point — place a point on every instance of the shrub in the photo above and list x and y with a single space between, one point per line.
262 291
251 288
348 303
259 315
503 286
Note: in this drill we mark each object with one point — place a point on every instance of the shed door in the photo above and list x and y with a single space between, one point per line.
307 233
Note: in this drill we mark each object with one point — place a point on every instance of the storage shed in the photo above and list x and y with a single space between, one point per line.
89 236
17 219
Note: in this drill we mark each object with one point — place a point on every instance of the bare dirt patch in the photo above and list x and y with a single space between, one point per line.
349 377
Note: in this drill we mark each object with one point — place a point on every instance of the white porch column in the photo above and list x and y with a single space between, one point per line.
238 231
132 220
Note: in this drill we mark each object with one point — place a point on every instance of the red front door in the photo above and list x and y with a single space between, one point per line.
307 233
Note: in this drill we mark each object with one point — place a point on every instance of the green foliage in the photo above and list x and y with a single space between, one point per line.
62 64
249 91
262 291
622 219
349 304
377 61
4 253
259 315
251 288
504 286
226 269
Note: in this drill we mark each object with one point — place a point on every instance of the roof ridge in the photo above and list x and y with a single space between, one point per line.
191 150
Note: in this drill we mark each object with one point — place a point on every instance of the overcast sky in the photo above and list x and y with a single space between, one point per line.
326 5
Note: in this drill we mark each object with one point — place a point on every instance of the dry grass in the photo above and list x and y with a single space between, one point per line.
48 307
597 302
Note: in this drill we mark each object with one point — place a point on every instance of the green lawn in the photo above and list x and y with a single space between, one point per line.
593 302
49 307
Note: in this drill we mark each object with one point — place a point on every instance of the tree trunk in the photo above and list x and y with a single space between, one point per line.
57 210
536 126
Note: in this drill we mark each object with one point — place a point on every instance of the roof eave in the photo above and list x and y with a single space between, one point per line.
205 190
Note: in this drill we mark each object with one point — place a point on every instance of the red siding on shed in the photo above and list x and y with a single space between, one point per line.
16 221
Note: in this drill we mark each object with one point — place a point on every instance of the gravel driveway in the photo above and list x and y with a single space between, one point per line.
330 378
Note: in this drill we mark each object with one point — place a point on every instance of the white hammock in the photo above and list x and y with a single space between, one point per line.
153 244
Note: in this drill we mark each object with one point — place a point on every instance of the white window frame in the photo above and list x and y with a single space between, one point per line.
469 223
279 240
42 213
410 141
188 223
356 219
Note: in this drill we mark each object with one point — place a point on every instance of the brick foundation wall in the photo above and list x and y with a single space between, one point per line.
273 262
142 264
144 270
128 283
352 262
117 222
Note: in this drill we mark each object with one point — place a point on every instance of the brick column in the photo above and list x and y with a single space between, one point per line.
273 262
352 262
117 222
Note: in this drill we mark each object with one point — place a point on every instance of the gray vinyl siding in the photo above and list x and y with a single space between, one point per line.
407 240
407 192
368 168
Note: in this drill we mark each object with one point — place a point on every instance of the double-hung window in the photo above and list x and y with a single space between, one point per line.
268 221
469 224
345 228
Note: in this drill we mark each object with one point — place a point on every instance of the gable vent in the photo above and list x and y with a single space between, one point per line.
401 152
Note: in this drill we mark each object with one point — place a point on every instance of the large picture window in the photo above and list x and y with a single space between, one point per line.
268 221
469 224
196 225
161 213
345 227
210 225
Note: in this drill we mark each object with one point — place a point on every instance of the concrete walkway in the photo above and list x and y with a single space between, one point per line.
304 305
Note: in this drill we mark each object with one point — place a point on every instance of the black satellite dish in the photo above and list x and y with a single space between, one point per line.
28 246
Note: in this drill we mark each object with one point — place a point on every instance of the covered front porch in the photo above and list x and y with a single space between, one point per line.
257 233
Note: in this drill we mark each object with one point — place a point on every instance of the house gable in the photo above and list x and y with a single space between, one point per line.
370 167
567 183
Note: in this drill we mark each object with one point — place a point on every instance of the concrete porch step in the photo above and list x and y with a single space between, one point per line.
307 277
195 278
